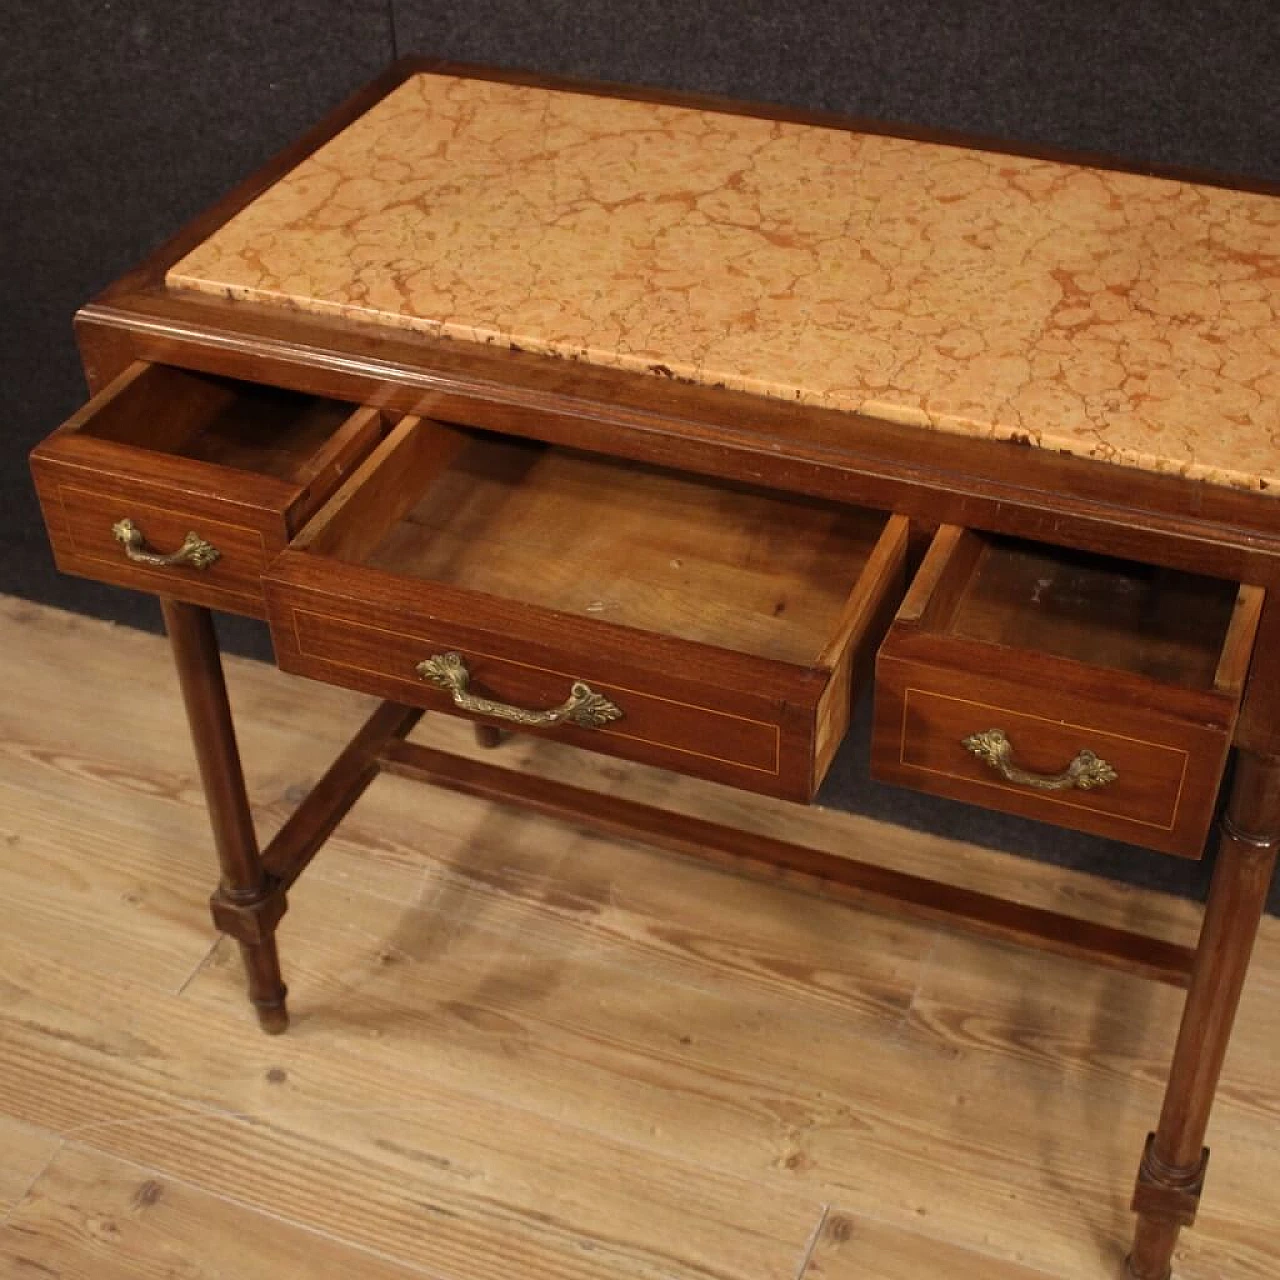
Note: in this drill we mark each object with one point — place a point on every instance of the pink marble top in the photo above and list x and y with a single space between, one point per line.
1098 313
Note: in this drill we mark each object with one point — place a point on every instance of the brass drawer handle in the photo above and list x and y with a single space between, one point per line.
1084 773
583 707
195 551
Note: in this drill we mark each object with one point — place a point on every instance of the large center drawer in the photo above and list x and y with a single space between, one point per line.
1081 690
703 626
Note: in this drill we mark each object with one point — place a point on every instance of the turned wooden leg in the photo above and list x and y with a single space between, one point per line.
247 904
1171 1175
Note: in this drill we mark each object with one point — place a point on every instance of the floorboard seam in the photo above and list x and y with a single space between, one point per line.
200 964
922 976
1031 1269
812 1243
79 1133
249 1207
7 1216
192 1112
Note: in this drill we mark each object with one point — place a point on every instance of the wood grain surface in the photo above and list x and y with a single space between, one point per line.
27 1152
94 1217
850 1247
242 465
726 623
519 1049
1063 652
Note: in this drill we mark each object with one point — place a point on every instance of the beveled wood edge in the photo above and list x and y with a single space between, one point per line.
1258 729
1000 486
1138 694
326 526
922 601
888 557
281 501
258 501
349 586
408 371
1237 647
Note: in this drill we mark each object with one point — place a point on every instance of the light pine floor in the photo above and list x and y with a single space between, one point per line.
522 1051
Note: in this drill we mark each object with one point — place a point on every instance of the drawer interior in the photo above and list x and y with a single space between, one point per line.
242 425
642 547
1162 624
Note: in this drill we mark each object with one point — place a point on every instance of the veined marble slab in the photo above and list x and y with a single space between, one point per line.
1102 314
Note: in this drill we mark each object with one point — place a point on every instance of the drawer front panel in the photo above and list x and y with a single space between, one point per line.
1165 772
175 452
666 723
80 518
1149 775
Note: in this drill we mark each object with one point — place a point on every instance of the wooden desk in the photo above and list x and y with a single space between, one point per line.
656 425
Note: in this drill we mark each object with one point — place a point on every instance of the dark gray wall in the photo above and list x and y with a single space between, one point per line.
124 118
121 121
1161 80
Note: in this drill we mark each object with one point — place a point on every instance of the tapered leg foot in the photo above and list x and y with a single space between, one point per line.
1166 1200
267 992
273 1018
1171 1176
252 923
1159 1244
248 903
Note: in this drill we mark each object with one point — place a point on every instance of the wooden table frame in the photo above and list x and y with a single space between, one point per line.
999 487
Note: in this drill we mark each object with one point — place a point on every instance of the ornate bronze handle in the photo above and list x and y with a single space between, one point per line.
583 707
195 551
1084 773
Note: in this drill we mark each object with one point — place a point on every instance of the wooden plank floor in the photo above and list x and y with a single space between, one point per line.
523 1051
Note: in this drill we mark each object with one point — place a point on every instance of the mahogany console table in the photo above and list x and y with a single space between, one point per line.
660 425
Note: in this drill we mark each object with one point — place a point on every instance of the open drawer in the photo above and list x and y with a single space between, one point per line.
702 626
1085 691
187 485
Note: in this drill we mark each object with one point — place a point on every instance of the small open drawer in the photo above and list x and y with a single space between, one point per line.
702 626
1081 690
187 485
